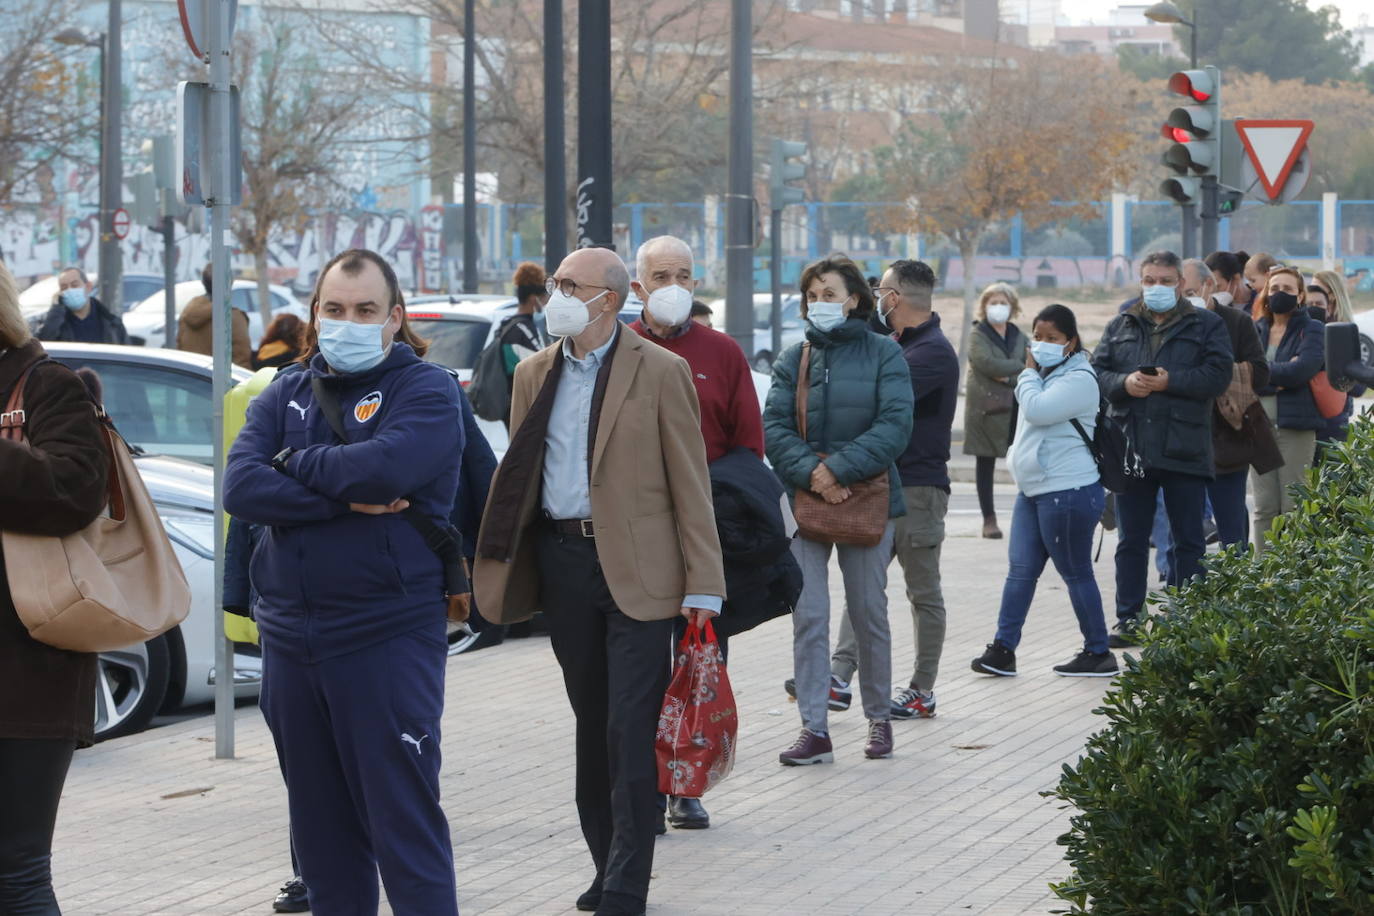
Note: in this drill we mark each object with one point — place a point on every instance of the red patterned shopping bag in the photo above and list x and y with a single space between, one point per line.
696 730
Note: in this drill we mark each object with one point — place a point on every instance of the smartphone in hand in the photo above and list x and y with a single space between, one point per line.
1147 370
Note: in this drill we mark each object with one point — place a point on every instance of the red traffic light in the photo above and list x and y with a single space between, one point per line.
1193 83
1176 134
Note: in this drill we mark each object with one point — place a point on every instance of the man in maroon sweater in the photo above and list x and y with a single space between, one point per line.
730 415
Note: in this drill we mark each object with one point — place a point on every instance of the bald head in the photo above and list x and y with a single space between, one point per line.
596 269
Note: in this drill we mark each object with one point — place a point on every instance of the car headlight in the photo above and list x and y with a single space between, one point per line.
193 530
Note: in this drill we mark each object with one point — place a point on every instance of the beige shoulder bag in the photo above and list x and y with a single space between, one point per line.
116 582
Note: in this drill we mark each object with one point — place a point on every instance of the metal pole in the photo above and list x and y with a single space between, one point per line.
1188 225
1192 52
111 259
775 315
169 276
594 198
555 165
469 149
221 187
1210 217
739 208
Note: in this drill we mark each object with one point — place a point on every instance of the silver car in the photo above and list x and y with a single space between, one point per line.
160 402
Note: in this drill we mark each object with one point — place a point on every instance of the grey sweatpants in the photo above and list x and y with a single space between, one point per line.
917 537
864 570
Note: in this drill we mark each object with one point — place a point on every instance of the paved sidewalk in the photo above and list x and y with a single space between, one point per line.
953 824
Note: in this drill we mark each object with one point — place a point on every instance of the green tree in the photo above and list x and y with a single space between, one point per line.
1282 39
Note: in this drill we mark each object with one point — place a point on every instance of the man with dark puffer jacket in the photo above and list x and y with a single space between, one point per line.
1161 364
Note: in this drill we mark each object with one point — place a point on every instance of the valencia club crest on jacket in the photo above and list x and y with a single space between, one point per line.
367 408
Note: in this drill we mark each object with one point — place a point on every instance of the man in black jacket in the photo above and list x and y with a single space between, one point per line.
1161 364
78 315
904 307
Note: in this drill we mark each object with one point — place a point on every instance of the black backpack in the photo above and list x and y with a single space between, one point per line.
489 389
1117 463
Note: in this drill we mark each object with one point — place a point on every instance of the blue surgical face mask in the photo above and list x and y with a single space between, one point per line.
1159 298
74 298
351 347
1047 354
825 316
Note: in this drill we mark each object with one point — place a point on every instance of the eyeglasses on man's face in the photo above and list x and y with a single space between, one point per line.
568 286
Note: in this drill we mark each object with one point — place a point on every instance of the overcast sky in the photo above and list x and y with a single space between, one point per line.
1080 11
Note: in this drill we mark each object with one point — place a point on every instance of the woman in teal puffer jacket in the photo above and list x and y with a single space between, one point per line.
859 414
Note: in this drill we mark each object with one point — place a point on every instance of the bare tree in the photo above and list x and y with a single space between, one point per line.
299 122
41 119
668 89
998 141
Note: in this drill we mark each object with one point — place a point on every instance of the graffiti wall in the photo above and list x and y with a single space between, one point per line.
35 242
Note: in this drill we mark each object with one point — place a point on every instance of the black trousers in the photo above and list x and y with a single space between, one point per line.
615 669
32 773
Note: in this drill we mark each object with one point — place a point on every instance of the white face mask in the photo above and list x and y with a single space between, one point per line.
998 313
670 305
566 316
825 316
1222 297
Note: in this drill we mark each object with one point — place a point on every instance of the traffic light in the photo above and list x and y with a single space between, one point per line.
1195 129
783 170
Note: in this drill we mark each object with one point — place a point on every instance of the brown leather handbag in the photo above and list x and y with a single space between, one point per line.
114 583
861 519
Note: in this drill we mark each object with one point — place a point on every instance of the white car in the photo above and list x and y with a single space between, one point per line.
793 328
146 322
160 402
35 301
1365 322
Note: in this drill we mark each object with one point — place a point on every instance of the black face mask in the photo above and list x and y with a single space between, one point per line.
1281 303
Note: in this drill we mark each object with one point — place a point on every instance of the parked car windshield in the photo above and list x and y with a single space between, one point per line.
453 342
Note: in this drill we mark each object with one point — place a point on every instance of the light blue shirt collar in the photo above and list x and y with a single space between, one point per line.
593 359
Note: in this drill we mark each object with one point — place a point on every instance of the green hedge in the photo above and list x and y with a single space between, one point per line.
1236 774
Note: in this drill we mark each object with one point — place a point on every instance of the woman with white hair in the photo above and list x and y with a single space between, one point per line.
996 355
52 483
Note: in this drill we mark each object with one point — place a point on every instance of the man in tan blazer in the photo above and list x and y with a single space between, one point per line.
600 516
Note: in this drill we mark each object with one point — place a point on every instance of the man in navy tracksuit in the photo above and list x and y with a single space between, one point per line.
351 604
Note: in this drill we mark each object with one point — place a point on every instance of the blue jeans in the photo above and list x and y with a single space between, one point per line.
1054 526
1135 512
1225 519
1226 494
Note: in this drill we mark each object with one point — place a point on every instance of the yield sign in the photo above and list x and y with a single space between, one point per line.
1273 148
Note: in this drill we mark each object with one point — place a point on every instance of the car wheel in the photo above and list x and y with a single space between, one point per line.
763 362
1366 351
130 685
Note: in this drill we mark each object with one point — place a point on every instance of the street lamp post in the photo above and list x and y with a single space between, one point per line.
1168 13
111 263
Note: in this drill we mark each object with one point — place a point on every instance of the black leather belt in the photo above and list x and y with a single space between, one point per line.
571 527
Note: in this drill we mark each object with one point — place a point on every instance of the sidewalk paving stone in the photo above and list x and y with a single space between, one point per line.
954 823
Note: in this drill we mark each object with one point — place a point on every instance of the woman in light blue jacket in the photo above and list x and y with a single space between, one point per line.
1060 499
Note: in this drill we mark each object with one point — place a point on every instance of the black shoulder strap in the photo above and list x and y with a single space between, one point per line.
328 402
440 539
1087 440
